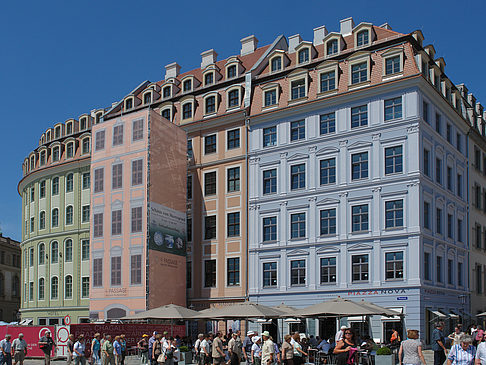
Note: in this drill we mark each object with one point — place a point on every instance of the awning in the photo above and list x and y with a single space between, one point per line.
453 315
357 319
292 320
481 314
264 321
438 314
396 318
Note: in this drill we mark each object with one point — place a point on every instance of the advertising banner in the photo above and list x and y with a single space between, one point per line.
32 335
167 230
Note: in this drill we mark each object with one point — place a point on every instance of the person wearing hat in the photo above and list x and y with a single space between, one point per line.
151 346
19 349
96 349
144 349
234 349
6 347
268 349
340 334
256 350
217 350
46 344
246 347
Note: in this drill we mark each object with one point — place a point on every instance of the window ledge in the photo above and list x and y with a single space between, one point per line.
298 100
270 107
297 239
328 235
360 232
359 85
391 229
208 115
268 242
231 108
392 76
392 120
323 94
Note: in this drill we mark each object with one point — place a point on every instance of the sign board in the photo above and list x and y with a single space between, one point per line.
32 334
167 230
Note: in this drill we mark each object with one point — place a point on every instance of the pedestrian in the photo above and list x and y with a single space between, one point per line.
157 349
79 351
142 346
394 339
197 348
239 345
339 334
346 349
19 349
217 352
287 351
481 353
123 344
233 350
298 352
438 344
256 351
96 349
455 336
276 357
268 349
70 349
205 351
151 346
246 347
46 344
107 351
176 353
411 350
479 335
117 350
462 354
6 347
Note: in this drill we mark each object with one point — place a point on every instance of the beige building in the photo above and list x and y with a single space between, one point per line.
9 279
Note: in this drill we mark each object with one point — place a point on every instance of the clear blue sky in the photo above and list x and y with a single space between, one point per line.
59 59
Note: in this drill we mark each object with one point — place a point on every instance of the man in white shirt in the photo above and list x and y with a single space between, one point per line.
6 347
205 351
481 354
340 334
19 349
268 350
78 352
197 347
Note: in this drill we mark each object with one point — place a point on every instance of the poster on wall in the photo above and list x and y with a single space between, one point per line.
167 230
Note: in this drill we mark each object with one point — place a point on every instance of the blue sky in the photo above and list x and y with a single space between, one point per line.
59 59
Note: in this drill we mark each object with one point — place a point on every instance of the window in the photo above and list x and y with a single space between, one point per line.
297 89
98 272
42 253
210 227
233 98
458 142
359 268
70 150
393 108
270 97
188 274
393 160
55 154
297 130
233 271
231 71
449 133
427 266
269 274
438 170
137 174
297 225
210 104
304 55
270 136
69 214
362 38
210 144
328 81
427 215
297 272
86 180
166 113
233 139
234 179
359 166
116 222
438 222
328 222
99 180
69 183
55 186
42 220
459 273
54 252
439 269
42 189
31 257
136 269
98 117
136 219
394 265
43 158
98 225
166 92
328 123
332 47
208 79
459 230
477 232
117 135
360 218
359 116
128 104
233 225
85 214
392 65
116 270
425 111
328 171
190 153
276 64
85 287
147 98
55 217
426 162
210 183
394 214
209 273
137 129
68 287
269 229
449 178
117 176
84 250
41 289
359 73
189 229
54 287
69 128
328 270
450 272
32 194
187 85
297 177
189 187
438 123
32 224
85 147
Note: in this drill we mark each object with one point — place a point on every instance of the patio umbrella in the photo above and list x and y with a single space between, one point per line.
384 311
166 312
287 310
344 307
240 311
481 314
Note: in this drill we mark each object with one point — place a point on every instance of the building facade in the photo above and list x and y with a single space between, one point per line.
10 262
55 191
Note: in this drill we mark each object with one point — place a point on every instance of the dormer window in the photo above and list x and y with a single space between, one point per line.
98 117
32 162
43 158
187 111
187 86
69 128
234 98
166 92
359 73
392 65
231 72
210 105
166 113
70 150
332 47
362 38
276 64
128 104
57 132
147 98
86 146
55 154
83 123
209 79
297 88
48 136
303 55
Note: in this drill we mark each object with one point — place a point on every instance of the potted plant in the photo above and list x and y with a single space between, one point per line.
184 350
384 356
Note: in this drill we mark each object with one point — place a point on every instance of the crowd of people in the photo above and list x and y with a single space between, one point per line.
159 349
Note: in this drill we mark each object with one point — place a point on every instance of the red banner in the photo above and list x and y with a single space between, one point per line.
32 335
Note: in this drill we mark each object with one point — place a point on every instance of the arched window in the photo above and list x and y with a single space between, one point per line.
98 117
187 85
304 55
68 250
57 132
42 220
210 104
362 38
128 104
166 92
166 113
276 64
55 154
233 98
209 78
332 47
68 287
42 253
147 98
16 286
69 183
55 217
54 287
41 289
43 158
86 146
231 72
55 186
69 128
69 214
187 111
70 150
54 252
83 124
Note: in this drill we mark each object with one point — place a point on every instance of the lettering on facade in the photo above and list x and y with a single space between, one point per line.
116 292
377 292
54 313
169 262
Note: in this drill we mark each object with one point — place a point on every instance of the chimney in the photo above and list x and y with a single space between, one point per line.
386 26
208 58
347 26
319 34
294 41
248 45
172 70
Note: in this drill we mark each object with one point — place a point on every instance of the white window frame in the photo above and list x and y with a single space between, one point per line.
270 87
205 97
295 76
325 67
240 97
357 58
390 53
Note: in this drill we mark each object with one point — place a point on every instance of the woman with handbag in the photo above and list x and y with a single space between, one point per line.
157 354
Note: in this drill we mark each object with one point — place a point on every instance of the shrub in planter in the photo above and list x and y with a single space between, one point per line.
384 356
384 351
